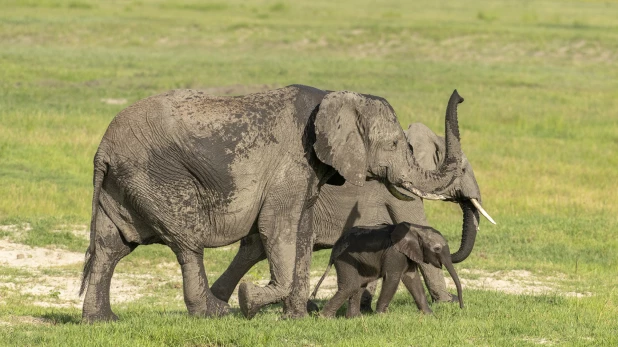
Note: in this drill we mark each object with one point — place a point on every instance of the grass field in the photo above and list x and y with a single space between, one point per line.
539 125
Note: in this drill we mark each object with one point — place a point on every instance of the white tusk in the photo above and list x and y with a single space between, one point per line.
426 196
483 212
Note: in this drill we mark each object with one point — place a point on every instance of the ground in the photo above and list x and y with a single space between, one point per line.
538 124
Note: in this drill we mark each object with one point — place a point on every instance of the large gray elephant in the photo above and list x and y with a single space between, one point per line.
339 208
192 171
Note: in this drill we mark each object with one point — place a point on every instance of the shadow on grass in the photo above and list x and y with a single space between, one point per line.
62 318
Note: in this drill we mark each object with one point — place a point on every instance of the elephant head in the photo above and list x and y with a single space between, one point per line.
423 244
429 150
359 136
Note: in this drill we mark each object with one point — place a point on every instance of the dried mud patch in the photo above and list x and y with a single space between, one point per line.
19 255
62 290
43 282
515 282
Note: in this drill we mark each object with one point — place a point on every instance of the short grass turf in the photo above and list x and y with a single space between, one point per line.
539 125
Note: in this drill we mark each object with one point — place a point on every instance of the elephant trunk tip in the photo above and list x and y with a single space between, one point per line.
457 97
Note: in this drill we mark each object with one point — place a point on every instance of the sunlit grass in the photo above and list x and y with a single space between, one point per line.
538 125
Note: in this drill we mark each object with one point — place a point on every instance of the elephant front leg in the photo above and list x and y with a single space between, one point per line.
295 305
434 280
389 288
251 252
278 230
198 298
412 281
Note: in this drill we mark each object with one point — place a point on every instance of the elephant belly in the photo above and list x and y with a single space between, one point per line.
173 206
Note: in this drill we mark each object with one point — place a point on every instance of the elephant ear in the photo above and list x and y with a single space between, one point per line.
406 240
428 148
339 136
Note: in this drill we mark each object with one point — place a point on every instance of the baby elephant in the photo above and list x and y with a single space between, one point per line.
365 254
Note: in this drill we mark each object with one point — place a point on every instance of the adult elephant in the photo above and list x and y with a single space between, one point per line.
339 208
192 171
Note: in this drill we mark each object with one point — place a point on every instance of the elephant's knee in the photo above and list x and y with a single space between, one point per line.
284 288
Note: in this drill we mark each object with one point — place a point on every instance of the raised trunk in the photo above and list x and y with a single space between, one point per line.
433 184
448 264
468 231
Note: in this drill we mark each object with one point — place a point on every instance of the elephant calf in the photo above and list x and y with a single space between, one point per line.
365 254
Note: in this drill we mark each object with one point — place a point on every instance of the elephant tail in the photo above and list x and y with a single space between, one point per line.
317 286
100 170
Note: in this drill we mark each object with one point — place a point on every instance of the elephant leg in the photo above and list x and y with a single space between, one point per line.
198 298
367 298
250 252
109 248
348 284
389 288
412 281
434 280
278 225
295 305
331 307
354 304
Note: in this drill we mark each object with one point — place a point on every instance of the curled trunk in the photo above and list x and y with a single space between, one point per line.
468 231
433 184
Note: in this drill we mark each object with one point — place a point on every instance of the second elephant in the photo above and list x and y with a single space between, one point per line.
341 207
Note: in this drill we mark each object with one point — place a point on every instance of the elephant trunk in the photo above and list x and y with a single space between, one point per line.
448 264
434 184
468 231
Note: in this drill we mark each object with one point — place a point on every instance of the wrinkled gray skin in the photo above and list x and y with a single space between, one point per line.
338 208
191 171
365 254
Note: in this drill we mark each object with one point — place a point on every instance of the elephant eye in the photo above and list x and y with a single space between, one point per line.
392 146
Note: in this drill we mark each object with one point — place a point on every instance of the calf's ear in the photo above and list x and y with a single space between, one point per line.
406 240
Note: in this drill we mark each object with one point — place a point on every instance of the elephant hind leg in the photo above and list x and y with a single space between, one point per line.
354 304
331 307
348 284
109 248
198 298
251 252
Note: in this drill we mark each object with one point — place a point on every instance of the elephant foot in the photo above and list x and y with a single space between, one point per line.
428 311
90 318
294 315
213 308
216 308
312 307
450 298
327 315
248 307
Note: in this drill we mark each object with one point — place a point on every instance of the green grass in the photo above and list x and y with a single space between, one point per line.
539 126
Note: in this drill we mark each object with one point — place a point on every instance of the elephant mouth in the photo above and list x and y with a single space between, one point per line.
404 194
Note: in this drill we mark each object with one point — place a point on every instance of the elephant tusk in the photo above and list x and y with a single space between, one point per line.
482 210
428 196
